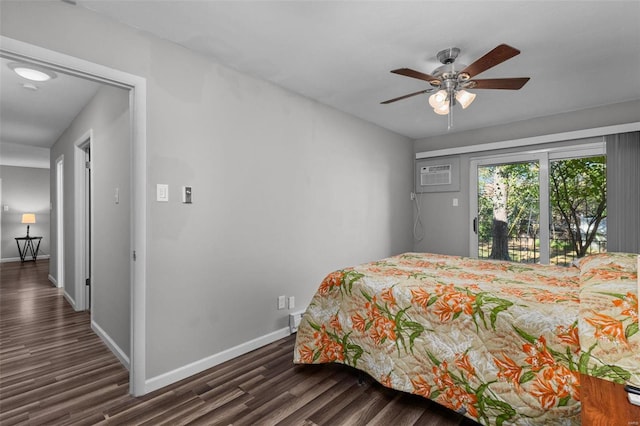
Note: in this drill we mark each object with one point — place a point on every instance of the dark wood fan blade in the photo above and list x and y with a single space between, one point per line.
415 74
490 60
405 96
499 83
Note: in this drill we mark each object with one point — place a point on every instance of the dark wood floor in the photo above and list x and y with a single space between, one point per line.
54 370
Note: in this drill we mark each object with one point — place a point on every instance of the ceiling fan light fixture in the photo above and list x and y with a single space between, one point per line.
442 109
32 73
438 99
465 98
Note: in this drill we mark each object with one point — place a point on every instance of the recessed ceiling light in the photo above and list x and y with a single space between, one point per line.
31 72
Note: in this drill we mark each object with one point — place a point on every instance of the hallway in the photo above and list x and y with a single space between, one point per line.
52 366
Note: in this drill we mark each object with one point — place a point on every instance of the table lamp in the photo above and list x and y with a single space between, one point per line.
28 218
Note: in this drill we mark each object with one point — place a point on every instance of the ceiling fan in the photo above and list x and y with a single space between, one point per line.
453 79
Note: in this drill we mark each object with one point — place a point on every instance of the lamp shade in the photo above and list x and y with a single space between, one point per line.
438 99
442 109
465 98
28 218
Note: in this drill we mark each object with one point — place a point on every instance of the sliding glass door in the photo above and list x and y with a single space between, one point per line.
507 198
543 207
508 220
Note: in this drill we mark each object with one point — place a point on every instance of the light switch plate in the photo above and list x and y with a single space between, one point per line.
162 192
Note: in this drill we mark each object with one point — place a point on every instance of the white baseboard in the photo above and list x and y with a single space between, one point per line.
117 351
17 259
71 301
195 367
53 280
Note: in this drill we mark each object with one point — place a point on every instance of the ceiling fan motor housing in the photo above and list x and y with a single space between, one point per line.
448 71
448 56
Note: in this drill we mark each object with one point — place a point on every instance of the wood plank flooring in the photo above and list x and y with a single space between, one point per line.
54 370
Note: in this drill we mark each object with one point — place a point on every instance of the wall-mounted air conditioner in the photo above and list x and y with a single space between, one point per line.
435 175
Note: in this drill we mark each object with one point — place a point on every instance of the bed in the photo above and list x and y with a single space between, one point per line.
500 342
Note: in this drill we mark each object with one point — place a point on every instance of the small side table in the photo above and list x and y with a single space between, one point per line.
27 247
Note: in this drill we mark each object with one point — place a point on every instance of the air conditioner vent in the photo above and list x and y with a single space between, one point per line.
435 175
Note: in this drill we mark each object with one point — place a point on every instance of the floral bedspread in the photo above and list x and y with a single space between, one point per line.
608 322
497 341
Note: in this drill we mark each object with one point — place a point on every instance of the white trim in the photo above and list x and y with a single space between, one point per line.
79 218
544 208
113 346
137 86
591 149
17 259
70 300
60 252
535 140
53 280
138 119
211 361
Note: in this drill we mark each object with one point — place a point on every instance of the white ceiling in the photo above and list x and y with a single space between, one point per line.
32 120
578 55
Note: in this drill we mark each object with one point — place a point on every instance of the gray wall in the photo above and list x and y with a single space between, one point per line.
24 190
107 115
285 189
447 227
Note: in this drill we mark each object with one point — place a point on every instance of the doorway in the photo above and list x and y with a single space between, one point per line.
136 87
83 222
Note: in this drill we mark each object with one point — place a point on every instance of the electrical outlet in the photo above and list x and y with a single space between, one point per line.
292 302
281 302
413 196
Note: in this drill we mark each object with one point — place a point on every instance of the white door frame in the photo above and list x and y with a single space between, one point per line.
137 86
60 222
82 221
541 158
1 209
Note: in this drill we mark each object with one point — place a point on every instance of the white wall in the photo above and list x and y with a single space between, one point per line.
24 190
284 189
